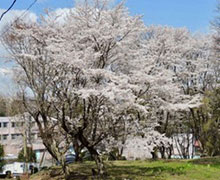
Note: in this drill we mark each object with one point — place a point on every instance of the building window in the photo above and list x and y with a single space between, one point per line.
15 136
5 136
13 124
5 124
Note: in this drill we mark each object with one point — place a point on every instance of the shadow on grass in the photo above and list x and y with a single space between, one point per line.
121 171
132 171
74 175
214 162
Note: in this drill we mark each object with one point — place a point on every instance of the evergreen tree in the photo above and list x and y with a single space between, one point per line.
1 155
31 156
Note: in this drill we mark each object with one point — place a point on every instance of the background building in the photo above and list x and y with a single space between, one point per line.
14 131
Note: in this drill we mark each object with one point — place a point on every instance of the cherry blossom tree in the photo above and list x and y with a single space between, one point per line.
102 91
180 69
81 76
32 75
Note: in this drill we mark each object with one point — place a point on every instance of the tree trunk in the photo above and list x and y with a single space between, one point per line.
65 169
77 157
169 151
162 152
54 152
154 154
98 161
77 149
94 154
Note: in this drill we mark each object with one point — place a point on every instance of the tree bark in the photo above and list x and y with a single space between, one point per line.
93 152
162 152
77 149
54 152
98 161
65 168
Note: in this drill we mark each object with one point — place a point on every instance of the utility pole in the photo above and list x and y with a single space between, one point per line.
25 149
26 136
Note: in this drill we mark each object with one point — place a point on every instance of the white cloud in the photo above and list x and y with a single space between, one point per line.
60 14
13 14
5 71
7 86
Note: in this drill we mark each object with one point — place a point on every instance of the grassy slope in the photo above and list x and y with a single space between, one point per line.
202 169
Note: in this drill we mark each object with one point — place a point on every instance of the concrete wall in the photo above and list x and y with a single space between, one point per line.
14 131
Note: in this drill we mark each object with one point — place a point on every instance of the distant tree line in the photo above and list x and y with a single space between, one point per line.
10 106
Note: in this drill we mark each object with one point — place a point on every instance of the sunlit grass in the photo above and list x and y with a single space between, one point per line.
201 169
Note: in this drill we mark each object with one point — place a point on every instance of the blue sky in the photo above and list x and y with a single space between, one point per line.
193 14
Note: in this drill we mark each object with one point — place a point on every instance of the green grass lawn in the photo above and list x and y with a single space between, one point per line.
201 169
